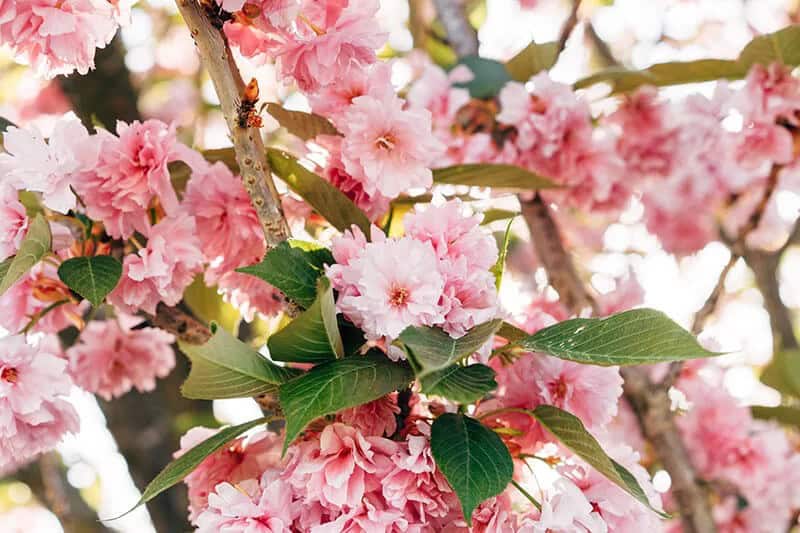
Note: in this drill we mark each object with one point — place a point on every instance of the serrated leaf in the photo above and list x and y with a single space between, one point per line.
325 198
337 385
225 367
181 467
33 247
636 337
91 277
472 458
294 269
500 265
306 126
462 384
531 60
432 349
312 337
489 77
568 428
492 175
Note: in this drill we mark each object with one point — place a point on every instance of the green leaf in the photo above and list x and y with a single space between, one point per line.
181 467
4 125
783 373
511 333
462 384
493 215
312 337
489 77
33 247
533 59
225 367
432 349
568 428
783 414
325 198
293 268
500 265
207 304
472 457
91 277
636 337
337 385
303 125
490 175
782 46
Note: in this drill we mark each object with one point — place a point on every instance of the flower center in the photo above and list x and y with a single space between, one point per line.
9 374
558 390
398 296
386 141
49 290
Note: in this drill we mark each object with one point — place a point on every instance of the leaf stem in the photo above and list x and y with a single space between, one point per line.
527 495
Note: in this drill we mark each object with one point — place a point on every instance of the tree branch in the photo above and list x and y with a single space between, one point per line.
460 33
247 143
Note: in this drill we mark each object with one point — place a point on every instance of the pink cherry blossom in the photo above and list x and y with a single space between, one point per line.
564 510
110 358
334 99
160 271
250 295
375 418
130 174
13 222
373 516
391 147
33 413
50 167
770 93
244 458
57 37
227 223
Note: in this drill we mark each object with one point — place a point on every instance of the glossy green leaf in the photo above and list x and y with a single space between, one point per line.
337 385
472 457
500 265
312 337
225 367
91 277
32 249
294 268
432 349
533 59
568 428
489 77
462 384
300 124
181 467
636 337
492 175
325 198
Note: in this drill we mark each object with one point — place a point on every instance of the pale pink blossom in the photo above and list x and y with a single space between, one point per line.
13 222
390 147
130 174
564 510
50 167
375 418
329 38
110 358
770 93
33 413
333 100
372 516
244 458
160 271
57 37
227 224
250 295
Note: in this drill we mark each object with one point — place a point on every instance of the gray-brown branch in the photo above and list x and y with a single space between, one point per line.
460 33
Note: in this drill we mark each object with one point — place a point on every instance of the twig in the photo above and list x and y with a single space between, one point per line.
569 25
602 48
250 154
460 33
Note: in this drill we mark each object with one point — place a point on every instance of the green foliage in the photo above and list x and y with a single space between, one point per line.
472 457
571 432
499 267
91 277
32 249
325 198
337 385
294 268
462 384
431 349
636 337
499 176
225 367
489 77
783 373
312 337
207 304
787 415
533 59
303 125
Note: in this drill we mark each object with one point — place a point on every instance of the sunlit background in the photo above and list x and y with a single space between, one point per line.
160 55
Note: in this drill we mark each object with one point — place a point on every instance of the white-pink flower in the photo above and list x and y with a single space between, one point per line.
375 418
110 358
160 271
13 222
564 510
50 167
333 100
250 295
33 413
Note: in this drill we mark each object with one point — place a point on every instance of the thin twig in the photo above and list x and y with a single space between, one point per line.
569 25
460 33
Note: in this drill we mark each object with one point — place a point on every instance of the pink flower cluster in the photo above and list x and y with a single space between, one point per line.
59 36
33 413
436 275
